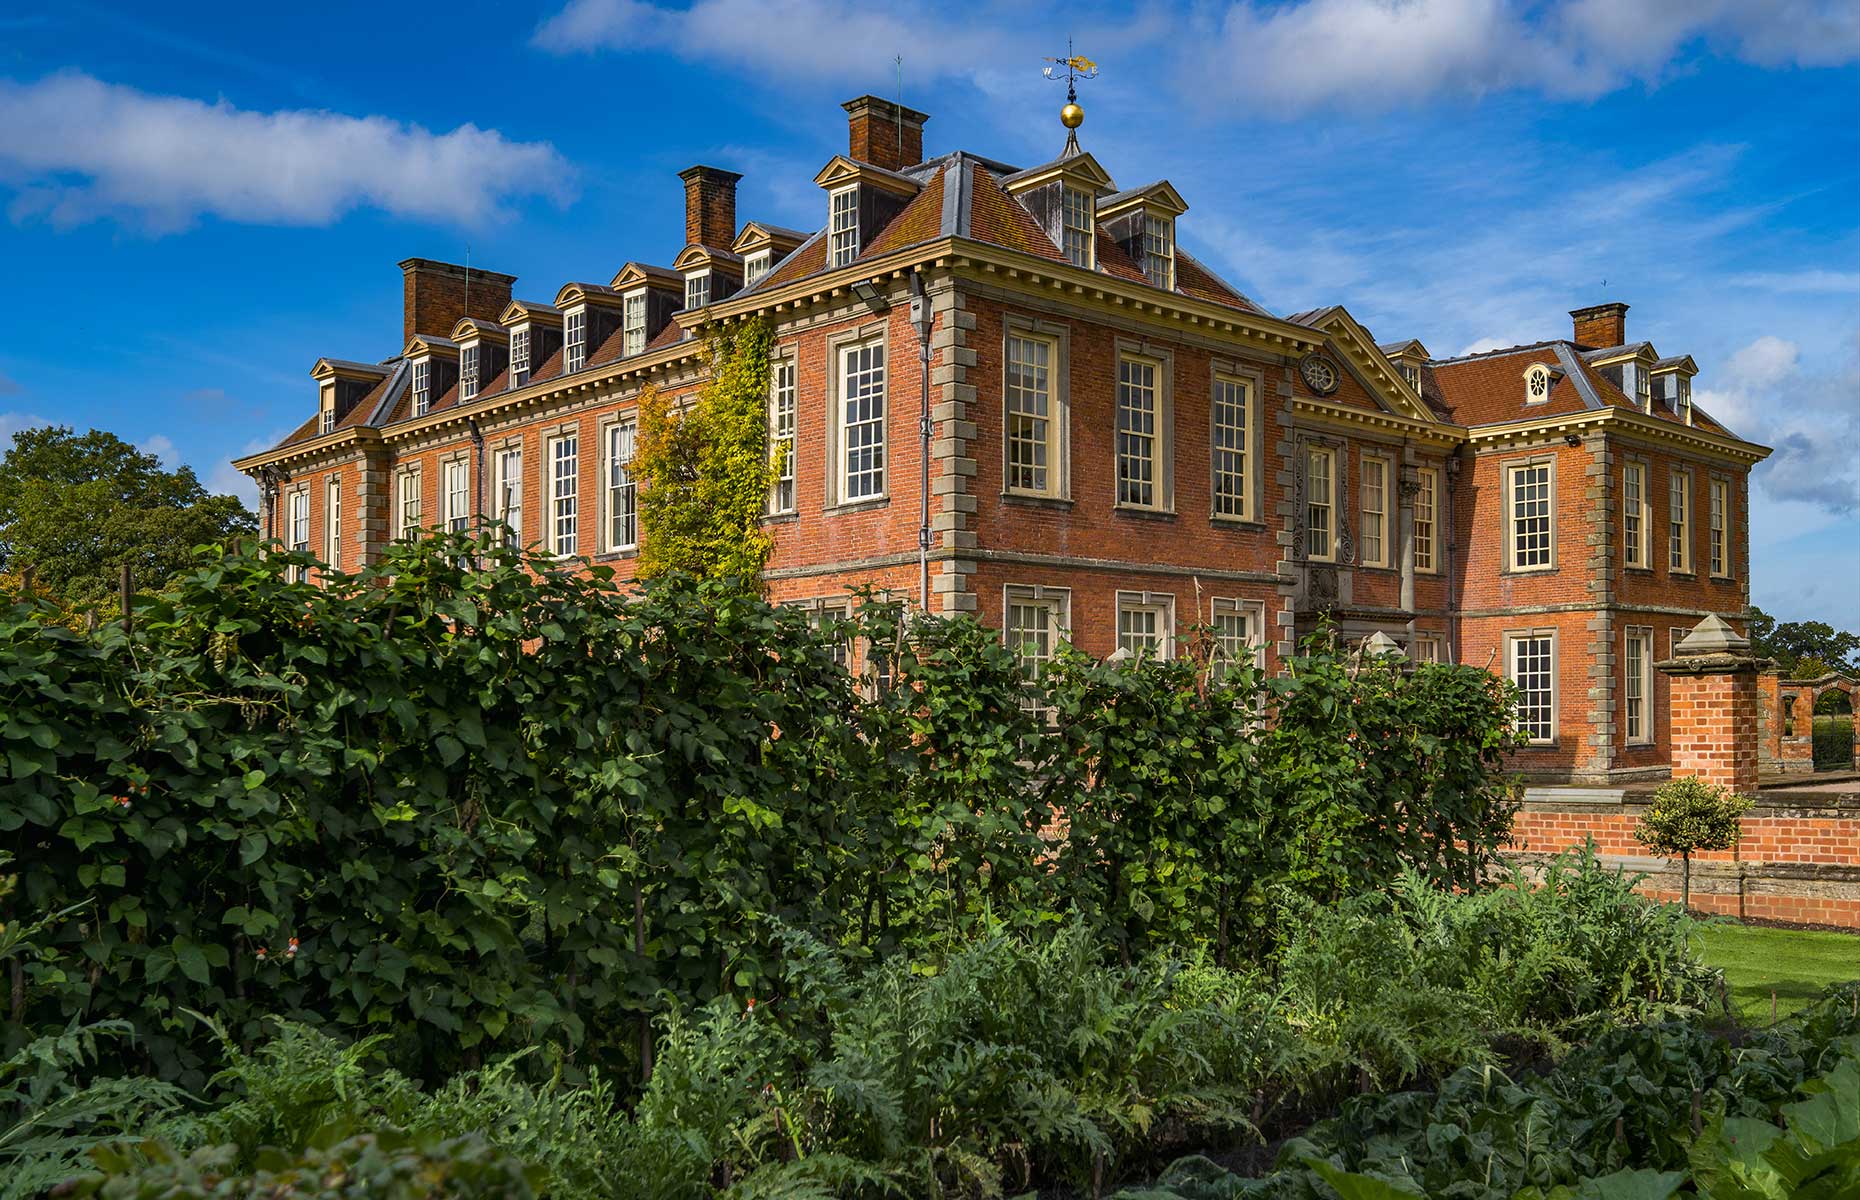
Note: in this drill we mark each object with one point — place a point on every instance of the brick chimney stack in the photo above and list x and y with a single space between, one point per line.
710 207
884 134
1600 326
436 294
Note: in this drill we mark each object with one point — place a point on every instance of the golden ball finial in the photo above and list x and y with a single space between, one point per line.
1072 116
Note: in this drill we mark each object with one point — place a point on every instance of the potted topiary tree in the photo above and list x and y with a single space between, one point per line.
1688 815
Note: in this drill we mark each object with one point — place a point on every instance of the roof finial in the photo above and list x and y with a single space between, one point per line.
1077 67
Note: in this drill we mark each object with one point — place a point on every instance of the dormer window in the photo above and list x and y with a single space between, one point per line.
843 229
1159 251
633 323
326 418
1412 374
756 266
1076 218
1682 397
519 356
697 290
468 371
574 340
422 386
1643 388
1537 384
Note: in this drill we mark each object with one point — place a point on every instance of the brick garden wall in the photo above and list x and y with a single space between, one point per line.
1799 859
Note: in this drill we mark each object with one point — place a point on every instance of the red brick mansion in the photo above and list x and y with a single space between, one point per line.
1089 435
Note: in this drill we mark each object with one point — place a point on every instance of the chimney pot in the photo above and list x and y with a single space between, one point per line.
710 207
436 295
884 133
1600 326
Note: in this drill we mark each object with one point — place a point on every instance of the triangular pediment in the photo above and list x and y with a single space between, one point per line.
1375 370
642 275
841 171
1079 170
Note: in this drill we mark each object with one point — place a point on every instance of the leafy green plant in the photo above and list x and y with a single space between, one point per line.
1687 815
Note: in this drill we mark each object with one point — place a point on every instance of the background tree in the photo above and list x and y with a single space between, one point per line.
1804 649
76 507
1689 815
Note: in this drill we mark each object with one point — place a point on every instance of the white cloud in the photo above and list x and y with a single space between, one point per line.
12 423
77 149
1809 280
1810 421
162 447
223 480
813 39
1382 54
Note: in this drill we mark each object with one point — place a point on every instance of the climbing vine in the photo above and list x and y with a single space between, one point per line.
705 470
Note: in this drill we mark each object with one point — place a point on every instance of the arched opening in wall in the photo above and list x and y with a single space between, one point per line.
1834 730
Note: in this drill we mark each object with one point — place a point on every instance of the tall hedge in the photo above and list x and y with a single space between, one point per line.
482 808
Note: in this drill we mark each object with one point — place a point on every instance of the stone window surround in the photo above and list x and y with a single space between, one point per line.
1506 468
834 479
1255 380
1511 636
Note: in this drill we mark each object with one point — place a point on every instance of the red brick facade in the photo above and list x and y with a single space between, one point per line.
1246 414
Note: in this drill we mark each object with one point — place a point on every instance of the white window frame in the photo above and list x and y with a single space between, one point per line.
1679 520
1643 387
1636 516
407 503
1427 521
697 289
1321 536
1041 433
1637 688
756 265
1056 604
507 490
1538 384
469 360
564 493
1159 250
1133 445
619 490
1514 562
455 494
784 422
519 356
332 522
633 323
297 508
1233 459
819 613
326 417
1078 227
574 339
842 226
1161 606
1516 640
1378 526
1252 616
1718 531
871 476
1682 393
422 385
1429 648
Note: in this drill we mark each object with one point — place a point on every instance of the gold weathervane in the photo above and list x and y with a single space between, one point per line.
1075 68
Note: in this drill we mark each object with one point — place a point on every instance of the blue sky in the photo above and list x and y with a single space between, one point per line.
199 203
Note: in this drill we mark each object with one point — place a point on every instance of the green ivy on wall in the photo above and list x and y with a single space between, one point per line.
705 471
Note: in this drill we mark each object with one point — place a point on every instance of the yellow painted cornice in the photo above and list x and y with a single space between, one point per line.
640 275
1386 382
339 368
1437 435
519 312
1624 421
841 171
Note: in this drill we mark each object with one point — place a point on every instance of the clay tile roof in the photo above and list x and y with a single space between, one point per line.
609 349
1193 279
1488 389
302 433
1113 261
363 409
811 257
549 368
919 221
996 217
672 332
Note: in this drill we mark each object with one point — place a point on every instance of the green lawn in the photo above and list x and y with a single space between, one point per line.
1795 963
